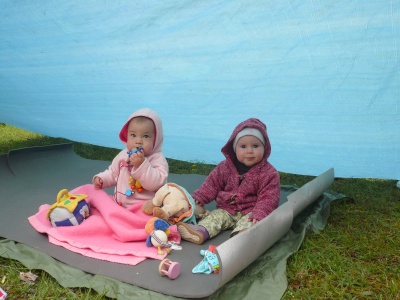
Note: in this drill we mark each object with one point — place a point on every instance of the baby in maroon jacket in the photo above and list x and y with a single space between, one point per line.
245 186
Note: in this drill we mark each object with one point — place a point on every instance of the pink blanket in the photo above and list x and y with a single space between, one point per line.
111 232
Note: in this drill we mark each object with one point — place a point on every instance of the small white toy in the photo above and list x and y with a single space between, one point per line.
3 294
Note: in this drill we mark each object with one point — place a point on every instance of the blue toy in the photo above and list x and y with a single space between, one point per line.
138 149
210 262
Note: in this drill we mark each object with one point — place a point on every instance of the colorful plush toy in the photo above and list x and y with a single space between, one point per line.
174 204
68 210
158 231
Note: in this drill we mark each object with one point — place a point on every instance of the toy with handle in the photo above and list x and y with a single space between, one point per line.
69 209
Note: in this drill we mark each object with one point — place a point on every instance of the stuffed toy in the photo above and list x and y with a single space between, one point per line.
174 204
68 210
158 231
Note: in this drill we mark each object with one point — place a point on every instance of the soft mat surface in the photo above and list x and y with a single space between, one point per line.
32 177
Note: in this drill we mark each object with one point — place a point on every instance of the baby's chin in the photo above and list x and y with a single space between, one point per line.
250 163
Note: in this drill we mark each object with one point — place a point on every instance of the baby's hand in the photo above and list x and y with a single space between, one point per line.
137 159
98 183
199 210
253 221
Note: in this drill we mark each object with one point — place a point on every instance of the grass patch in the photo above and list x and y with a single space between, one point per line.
45 286
356 256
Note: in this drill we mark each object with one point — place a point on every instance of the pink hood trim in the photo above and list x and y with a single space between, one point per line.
152 115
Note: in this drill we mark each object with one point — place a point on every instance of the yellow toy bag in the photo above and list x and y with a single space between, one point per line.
68 210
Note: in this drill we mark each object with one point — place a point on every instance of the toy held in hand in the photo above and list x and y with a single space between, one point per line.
130 152
174 204
68 210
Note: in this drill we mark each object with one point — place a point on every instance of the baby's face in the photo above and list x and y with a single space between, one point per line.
141 133
249 150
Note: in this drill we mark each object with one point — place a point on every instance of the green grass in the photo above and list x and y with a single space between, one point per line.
356 256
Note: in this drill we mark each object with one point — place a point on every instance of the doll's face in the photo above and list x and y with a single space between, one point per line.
249 150
141 133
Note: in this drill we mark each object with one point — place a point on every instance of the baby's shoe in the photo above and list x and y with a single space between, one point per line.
192 233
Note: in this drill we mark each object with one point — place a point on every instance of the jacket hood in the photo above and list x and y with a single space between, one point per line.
228 151
152 115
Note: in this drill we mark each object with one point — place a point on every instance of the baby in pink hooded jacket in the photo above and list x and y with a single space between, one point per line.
138 171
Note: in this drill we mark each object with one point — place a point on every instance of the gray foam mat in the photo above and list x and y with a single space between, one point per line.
33 176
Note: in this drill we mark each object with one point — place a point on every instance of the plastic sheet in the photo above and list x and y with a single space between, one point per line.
324 76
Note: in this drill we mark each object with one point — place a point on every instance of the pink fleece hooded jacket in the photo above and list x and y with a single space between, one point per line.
152 173
257 191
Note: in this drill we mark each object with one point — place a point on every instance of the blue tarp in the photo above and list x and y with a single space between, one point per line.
323 75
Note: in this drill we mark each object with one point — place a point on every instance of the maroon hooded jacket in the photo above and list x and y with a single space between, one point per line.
257 191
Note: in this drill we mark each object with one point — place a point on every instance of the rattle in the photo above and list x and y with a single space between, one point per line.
169 268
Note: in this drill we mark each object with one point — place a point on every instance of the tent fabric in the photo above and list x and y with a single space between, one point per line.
46 170
323 76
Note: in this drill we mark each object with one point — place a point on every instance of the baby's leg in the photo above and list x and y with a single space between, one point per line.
242 224
217 221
